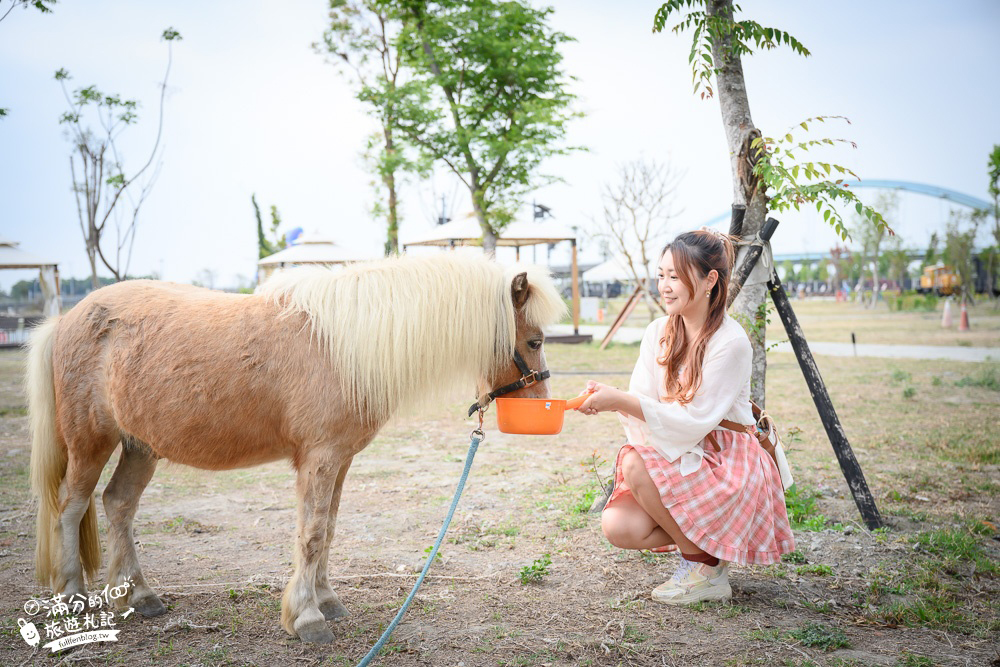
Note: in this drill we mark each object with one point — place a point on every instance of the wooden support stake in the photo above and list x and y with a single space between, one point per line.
576 293
630 305
741 274
834 430
736 220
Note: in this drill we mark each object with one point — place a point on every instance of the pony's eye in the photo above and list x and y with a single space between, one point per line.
535 344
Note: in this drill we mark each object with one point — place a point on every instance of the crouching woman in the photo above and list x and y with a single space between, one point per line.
682 481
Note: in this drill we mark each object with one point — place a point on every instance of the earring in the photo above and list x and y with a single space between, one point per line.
708 294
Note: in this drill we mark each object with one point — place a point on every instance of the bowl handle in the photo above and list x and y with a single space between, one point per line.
574 403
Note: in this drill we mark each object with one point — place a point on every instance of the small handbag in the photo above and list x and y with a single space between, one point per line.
766 433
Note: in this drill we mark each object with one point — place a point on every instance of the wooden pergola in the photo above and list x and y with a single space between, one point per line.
466 232
12 257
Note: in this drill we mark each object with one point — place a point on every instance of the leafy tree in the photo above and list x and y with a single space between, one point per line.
871 237
499 104
102 187
959 243
764 170
40 5
363 41
931 254
840 258
897 260
805 271
267 247
22 288
789 270
992 254
638 208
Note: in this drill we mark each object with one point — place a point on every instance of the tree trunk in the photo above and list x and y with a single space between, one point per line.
92 258
489 237
389 179
749 306
392 234
875 276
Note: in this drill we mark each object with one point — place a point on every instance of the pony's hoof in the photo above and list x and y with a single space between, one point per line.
333 609
149 606
316 632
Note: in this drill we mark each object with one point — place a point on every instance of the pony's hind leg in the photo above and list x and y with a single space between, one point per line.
300 615
121 498
79 546
329 603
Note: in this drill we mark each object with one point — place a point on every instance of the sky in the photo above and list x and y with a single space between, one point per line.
252 108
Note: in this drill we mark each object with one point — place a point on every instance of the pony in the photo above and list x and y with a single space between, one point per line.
308 368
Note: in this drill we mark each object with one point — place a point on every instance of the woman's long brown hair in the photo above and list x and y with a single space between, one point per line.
694 255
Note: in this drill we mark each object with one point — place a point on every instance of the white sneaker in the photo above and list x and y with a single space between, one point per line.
694 582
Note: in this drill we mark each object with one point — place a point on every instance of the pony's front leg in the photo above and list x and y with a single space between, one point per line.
329 603
121 498
300 614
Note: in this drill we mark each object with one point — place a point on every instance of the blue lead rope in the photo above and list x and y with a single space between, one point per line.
477 437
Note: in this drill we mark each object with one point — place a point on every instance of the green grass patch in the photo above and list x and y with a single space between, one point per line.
794 557
802 511
818 635
955 546
986 375
539 568
907 659
819 570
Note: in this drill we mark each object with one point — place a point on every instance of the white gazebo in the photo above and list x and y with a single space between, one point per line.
467 232
12 257
613 270
312 250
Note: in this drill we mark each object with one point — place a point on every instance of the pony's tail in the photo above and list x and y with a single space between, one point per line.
48 464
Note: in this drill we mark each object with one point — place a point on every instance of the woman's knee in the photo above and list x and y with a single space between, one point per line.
614 531
624 529
634 468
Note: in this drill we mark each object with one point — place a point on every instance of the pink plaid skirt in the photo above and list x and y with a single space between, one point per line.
732 507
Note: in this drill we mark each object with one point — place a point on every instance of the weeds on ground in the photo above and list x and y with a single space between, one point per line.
817 635
802 511
538 569
908 659
942 586
987 375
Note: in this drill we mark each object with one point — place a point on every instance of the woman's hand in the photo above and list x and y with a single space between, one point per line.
602 398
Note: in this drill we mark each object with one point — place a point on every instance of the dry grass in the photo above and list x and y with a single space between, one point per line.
825 320
218 545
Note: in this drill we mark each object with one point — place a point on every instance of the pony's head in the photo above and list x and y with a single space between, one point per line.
535 304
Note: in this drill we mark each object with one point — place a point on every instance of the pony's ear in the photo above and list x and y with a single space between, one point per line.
519 290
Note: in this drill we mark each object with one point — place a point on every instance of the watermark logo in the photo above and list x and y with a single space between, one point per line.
74 620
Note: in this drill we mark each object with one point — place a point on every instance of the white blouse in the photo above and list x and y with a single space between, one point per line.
676 430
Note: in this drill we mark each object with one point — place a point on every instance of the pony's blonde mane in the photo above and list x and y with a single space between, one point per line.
402 329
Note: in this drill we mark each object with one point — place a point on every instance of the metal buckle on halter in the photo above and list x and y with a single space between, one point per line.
532 378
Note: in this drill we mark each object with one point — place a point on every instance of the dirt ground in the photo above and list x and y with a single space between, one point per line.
217 546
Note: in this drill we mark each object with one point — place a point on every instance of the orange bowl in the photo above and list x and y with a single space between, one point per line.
534 416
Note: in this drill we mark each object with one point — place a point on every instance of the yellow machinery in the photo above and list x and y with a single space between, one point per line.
939 279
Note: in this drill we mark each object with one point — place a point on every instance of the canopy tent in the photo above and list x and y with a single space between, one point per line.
613 270
12 257
313 250
467 232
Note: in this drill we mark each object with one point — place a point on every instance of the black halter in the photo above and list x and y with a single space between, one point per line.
528 378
